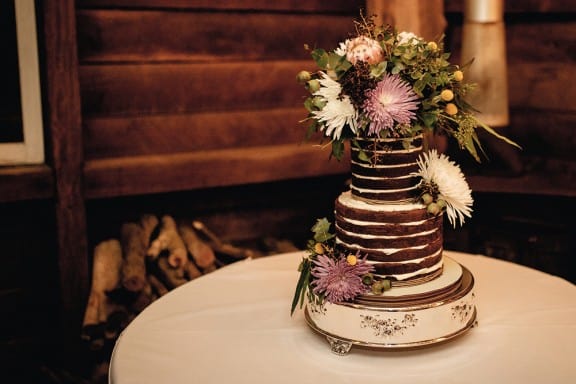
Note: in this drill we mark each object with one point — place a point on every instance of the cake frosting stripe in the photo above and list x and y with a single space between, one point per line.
398 254
383 171
397 157
347 206
386 229
384 183
387 242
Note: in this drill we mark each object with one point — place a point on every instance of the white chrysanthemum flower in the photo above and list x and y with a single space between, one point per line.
405 38
436 169
341 50
338 110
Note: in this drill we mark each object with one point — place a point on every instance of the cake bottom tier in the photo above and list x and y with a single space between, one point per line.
411 317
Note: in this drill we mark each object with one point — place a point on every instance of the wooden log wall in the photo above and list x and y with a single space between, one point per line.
180 95
177 93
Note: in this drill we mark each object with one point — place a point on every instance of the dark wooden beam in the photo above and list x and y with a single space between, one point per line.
64 123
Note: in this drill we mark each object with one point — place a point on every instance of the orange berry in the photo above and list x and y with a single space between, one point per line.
458 75
451 109
447 95
351 259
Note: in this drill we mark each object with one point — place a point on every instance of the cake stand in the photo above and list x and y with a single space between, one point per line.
402 318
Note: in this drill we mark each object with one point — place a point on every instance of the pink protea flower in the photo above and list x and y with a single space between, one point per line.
339 280
365 49
392 102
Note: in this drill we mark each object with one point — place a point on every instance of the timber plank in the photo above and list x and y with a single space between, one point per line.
544 132
26 182
543 183
129 90
276 5
205 169
535 41
550 85
149 36
65 123
525 6
165 134
114 90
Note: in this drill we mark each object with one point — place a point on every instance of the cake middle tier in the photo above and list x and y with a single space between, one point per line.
401 240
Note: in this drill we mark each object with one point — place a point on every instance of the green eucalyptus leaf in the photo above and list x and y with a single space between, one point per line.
338 149
362 156
321 230
301 285
320 56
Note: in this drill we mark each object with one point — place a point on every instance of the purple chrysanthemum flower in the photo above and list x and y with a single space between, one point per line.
339 280
392 101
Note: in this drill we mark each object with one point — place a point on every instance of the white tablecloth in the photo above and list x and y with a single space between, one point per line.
234 326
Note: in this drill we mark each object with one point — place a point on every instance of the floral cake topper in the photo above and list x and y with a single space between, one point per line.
382 84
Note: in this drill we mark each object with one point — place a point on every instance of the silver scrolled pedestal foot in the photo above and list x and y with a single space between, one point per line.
339 347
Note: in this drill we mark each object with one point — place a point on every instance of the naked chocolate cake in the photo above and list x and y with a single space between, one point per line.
376 274
381 218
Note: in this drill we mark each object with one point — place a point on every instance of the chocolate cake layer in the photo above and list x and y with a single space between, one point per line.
390 144
398 214
386 196
386 157
370 171
380 242
402 268
398 255
384 183
388 229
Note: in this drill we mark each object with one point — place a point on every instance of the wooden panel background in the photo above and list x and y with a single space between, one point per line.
180 95
184 95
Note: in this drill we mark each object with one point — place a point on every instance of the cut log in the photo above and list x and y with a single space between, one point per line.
170 276
107 264
134 249
145 298
157 285
150 226
200 252
169 240
221 247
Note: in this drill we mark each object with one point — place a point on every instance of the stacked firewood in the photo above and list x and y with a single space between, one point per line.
151 257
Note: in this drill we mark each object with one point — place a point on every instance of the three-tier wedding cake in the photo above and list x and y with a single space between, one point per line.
376 276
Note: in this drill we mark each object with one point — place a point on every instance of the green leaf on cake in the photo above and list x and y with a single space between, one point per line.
322 230
302 284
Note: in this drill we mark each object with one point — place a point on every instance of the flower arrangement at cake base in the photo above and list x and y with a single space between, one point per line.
377 276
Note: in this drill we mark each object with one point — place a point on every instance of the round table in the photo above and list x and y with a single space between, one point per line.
234 326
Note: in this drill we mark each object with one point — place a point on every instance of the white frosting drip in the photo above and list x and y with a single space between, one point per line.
348 200
384 191
433 268
387 251
374 223
382 166
368 237
381 178
434 254
392 151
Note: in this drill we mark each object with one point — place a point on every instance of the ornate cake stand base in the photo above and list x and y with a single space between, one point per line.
412 317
